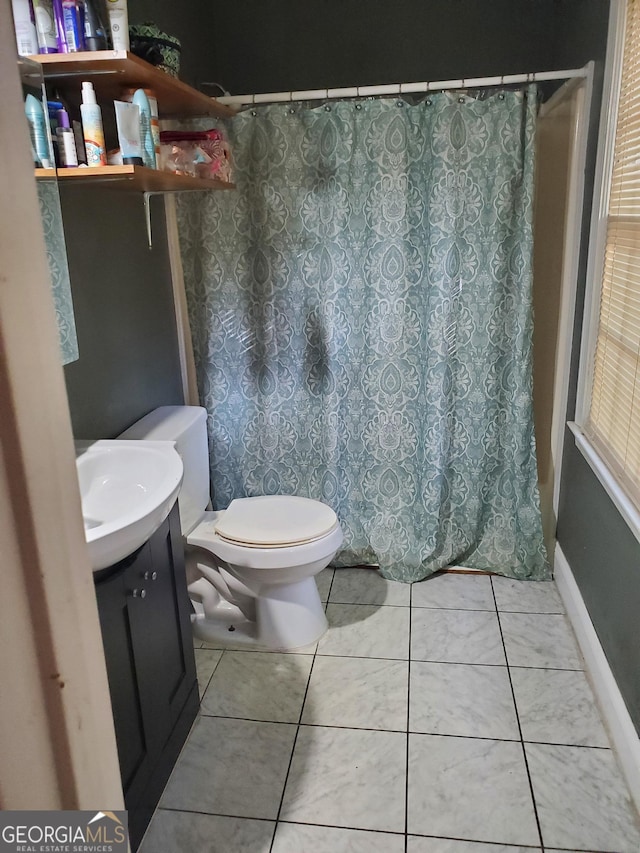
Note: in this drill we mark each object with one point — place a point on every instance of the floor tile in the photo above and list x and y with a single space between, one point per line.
231 767
557 706
462 699
258 686
582 800
175 832
540 640
456 636
367 693
206 662
527 596
418 844
455 592
360 630
347 778
323 582
304 838
470 789
367 586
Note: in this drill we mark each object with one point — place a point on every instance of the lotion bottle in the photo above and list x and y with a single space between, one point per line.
92 127
119 23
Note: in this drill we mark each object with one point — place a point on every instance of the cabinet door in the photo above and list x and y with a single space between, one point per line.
161 633
126 701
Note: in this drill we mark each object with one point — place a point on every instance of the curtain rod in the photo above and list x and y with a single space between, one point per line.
400 88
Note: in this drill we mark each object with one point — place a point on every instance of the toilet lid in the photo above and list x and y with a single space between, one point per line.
275 520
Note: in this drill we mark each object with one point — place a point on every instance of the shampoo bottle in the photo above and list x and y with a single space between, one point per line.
92 127
68 26
45 26
23 21
148 145
95 35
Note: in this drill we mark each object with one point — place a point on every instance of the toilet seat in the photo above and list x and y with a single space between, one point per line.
275 521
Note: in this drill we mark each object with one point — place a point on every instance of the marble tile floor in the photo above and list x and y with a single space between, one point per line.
451 716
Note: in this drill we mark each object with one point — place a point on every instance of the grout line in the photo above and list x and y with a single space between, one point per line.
515 705
206 686
406 784
295 739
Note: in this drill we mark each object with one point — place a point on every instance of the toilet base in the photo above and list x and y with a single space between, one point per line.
289 617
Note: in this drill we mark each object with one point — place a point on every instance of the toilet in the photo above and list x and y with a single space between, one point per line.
250 567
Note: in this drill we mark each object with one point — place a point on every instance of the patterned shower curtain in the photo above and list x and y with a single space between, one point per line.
362 324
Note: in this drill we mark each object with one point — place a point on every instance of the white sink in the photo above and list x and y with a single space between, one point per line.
127 490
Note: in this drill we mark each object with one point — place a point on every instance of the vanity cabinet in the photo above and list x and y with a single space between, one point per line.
145 620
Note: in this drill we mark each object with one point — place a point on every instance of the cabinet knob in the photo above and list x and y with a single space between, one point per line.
150 576
139 593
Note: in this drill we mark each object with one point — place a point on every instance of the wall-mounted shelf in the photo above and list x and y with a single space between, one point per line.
45 174
112 70
134 178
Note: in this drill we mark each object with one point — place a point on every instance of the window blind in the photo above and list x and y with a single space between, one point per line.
613 424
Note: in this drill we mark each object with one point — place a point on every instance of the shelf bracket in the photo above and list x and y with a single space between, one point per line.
146 199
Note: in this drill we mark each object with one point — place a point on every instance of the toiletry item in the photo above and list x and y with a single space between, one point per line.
92 127
38 129
66 141
45 26
127 95
25 28
58 19
95 34
119 23
68 26
79 138
129 136
148 147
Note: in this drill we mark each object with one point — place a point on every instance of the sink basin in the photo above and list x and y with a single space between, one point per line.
127 490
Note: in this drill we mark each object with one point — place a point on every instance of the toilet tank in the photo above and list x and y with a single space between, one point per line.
187 426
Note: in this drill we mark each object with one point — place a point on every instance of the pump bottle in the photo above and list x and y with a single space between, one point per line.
92 127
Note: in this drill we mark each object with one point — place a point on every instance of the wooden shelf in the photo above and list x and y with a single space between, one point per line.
44 174
110 71
135 178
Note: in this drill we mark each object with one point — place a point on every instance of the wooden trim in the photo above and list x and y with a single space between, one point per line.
56 731
137 179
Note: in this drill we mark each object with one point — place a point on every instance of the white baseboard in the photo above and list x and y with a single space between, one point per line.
621 729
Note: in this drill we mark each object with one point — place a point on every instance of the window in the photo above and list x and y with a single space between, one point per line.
613 421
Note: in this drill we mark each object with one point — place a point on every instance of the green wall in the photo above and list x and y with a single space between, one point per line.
123 302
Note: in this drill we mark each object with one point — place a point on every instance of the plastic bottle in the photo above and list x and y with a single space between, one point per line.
68 26
38 129
45 26
119 23
66 141
92 127
95 34
148 146
24 25
127 95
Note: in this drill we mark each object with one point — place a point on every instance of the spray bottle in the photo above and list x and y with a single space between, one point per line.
92 127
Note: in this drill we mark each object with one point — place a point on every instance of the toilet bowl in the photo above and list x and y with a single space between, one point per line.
251 567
